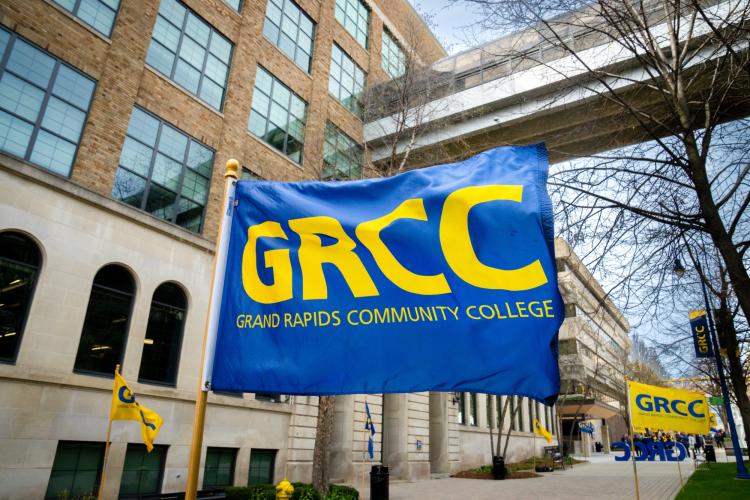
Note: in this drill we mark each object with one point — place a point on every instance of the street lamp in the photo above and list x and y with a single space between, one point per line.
742 473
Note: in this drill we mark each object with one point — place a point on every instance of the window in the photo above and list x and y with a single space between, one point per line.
235 4
473 409
342 157
347 81
19 267
190 52
261 466
269 397
462 408
278 115
392 56
143 471
219 469
164 172
355 17
99 14
248 175
291 30
76 470
161 347
570 310
106 325
43 105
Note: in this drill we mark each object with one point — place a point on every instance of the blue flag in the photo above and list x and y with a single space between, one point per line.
370 427
438 279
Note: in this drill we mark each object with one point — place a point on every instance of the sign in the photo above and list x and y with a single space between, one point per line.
701 338
649 451
664 408
716 401
585 427
439 279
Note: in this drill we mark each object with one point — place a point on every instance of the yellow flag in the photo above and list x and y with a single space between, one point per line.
668 409
125 407
712 419
542 431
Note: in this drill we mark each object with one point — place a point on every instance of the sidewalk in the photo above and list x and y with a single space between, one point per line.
600 478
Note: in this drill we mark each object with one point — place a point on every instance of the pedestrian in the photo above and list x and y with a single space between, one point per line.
699 443
691 444
720 439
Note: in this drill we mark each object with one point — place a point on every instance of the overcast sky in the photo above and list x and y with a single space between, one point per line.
453 23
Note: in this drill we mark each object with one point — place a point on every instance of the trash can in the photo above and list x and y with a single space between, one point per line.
498 468
710 453
379 482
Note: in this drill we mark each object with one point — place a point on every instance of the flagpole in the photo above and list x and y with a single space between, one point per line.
212 322
103 480
364 449
632 446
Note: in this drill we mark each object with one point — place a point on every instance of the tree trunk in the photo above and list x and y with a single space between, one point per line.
321 469
728 338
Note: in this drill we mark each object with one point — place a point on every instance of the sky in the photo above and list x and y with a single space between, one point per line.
453 23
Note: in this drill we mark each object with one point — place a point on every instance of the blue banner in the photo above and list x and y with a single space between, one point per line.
438 279
701 339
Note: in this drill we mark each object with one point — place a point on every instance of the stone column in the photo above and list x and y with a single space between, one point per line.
439 460
396 435
341 454
605 437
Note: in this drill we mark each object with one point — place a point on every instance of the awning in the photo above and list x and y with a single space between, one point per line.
589 407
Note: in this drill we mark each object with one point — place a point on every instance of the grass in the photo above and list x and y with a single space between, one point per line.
714 480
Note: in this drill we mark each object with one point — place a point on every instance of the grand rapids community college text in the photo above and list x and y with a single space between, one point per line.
386 315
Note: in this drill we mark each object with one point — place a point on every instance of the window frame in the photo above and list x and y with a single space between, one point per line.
274 454
37 273
162 465
179 343
173 70
233 468
277 43
366 8
37 124
267 116
74 13
78 443
152 162
126 328
339 133
391 40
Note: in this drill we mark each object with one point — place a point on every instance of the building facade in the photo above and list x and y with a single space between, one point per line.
116 118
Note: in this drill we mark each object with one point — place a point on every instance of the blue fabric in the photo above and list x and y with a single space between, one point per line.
432 350
370 427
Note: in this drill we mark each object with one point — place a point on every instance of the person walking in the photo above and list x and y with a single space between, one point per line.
691 445
699 443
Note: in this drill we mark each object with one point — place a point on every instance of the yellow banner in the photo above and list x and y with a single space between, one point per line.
125 407
655 408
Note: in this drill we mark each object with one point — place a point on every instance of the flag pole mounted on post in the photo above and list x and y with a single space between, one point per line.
632 444
103 479
212 322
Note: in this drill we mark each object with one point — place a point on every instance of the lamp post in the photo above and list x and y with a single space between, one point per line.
742 473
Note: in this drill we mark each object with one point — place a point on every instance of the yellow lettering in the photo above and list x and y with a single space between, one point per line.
369 234
312 256
278 260
459 252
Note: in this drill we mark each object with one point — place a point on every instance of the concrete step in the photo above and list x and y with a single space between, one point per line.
440 475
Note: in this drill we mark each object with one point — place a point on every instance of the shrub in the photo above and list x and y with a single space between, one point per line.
255 492
337 492
304 491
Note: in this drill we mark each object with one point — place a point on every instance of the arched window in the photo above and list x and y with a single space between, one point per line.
19 267
161 347
107 318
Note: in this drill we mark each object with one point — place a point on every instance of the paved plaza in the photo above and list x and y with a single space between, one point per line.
600 478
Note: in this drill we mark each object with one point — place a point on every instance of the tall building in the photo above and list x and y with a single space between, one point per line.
116 120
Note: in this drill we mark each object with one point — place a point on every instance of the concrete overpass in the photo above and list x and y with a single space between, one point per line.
522 89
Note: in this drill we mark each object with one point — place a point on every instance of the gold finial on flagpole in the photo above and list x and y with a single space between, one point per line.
233 169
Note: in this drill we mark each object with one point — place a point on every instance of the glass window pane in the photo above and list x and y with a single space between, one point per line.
273 13
189 215
160 202
281 95
342 81
160 58
63 119
97 15
187 76
197 30
31 63
143 127
20 97
4 39
76 470
73 87
161 347
53 153
136 156
128 188
257 124
172 143
211 93
192 52
166 33
200 159
14 134
195 187
284 30
166 172
173 11
221 47
216 70
142 472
